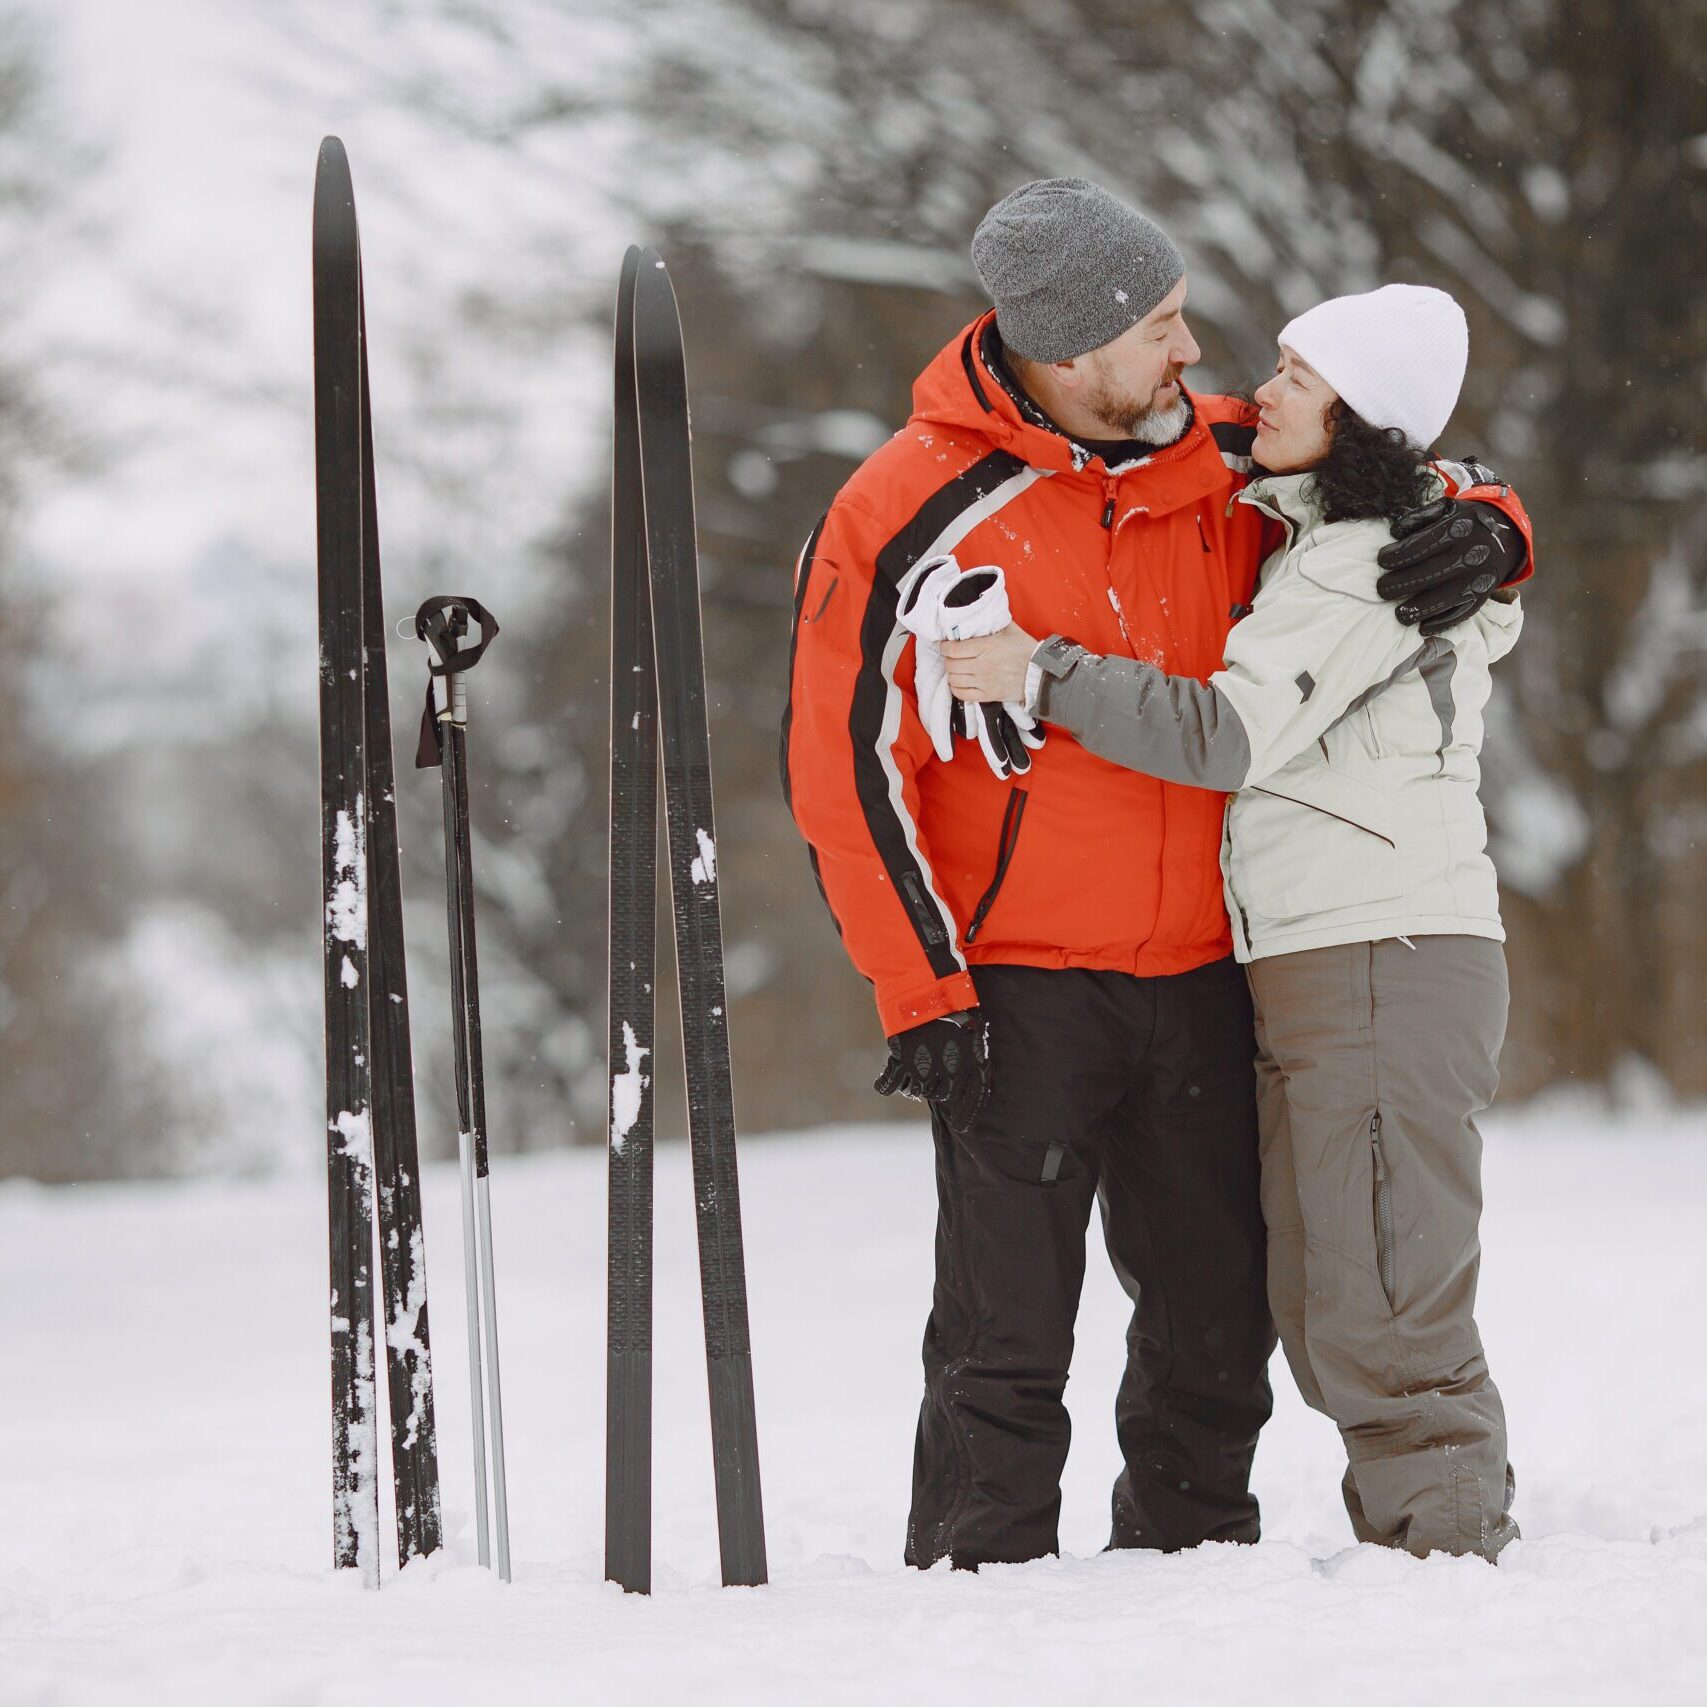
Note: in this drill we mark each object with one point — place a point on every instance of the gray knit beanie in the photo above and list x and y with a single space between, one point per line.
1070 267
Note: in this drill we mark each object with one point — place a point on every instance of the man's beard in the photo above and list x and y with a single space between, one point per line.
1162 426
1151 425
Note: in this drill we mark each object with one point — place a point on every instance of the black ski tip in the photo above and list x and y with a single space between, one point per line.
334 198
332 171
657 322
625 289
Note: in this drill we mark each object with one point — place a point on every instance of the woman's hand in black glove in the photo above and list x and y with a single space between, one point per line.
1446 561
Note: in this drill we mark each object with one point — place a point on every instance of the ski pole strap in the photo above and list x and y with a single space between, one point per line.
442 622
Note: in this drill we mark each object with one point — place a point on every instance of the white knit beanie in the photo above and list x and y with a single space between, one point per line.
1395 355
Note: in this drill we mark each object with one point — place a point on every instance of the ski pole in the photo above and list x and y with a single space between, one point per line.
443 623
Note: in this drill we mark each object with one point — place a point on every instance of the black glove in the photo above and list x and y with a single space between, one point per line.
1006 746
1446 560
945 1062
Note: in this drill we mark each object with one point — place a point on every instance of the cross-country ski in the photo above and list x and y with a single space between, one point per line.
658 692
370 1097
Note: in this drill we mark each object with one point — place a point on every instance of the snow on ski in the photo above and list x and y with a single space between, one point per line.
371 1142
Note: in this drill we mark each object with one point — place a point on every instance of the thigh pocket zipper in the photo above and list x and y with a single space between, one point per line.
1383 1211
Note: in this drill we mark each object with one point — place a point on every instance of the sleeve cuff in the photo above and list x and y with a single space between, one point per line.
900 1012
1033 686
1056 656
1053 660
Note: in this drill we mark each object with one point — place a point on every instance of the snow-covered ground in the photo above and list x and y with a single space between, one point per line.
164 1496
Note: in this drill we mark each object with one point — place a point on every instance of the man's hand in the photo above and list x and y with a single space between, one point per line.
993 668
1446 560
945 1062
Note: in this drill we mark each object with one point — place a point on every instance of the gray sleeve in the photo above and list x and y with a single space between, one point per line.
1133 714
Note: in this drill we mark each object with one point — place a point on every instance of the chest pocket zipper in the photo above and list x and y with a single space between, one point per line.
1372 735
1004 857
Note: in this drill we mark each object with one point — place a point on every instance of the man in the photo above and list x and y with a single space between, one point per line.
1046 939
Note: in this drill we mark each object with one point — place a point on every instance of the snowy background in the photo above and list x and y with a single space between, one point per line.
812 170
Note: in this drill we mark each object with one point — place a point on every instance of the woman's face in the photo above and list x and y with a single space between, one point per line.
1292 426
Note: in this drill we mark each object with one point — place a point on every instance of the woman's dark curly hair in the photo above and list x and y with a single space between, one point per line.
1369 472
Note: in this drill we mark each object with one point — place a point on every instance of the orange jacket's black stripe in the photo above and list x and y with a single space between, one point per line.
871 694
807 558
802 581
935 516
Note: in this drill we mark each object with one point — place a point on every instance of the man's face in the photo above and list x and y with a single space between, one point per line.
1132 383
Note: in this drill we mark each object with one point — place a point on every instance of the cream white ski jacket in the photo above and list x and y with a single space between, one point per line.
1349 744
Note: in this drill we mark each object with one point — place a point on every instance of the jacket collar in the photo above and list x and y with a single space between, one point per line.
1288 498
962 387
1115 455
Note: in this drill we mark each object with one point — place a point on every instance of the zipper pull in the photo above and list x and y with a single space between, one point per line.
1375 1144
1108 514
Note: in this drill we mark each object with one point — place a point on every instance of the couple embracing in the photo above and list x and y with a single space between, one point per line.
1134 735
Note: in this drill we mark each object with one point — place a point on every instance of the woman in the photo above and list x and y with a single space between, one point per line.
1362 900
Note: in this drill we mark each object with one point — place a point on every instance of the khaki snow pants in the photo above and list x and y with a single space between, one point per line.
1374 1059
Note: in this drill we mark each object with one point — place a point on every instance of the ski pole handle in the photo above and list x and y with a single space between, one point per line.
443 623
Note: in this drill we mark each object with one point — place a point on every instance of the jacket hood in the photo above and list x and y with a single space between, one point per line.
959 389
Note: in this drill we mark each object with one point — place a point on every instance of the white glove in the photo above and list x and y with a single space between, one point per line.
937 706
931 678
937 600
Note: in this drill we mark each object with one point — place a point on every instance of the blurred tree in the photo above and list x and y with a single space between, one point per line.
75 1091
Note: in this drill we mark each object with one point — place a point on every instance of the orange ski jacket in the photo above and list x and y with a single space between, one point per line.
930 867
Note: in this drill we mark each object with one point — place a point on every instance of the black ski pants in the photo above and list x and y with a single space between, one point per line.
1138 1093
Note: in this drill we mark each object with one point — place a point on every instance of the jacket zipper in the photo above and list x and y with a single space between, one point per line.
1004 855
1227 862
1383 1210
1292 800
